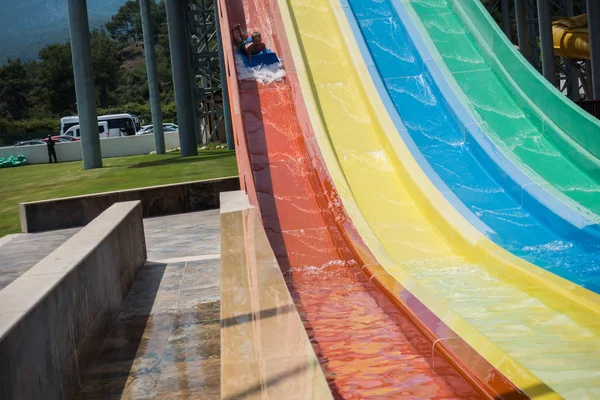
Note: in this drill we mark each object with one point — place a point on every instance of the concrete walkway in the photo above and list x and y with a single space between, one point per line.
20 252
166 342
172 238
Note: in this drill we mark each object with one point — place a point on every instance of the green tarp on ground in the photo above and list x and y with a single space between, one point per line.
13 161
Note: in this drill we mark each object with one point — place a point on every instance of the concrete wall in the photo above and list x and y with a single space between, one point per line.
178 198
53 315
111 147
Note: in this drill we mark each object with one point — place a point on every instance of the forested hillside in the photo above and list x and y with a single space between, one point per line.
35 94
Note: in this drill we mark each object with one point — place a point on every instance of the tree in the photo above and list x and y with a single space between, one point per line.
126 25
106 62
56 76
14 89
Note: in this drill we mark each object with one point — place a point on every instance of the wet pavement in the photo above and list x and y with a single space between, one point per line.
18 253
172 238
165 344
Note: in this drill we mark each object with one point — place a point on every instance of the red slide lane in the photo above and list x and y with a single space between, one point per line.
367 348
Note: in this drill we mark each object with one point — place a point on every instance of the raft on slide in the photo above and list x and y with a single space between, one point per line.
571 37
263 58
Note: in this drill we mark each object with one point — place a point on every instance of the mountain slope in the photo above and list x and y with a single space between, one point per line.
27 25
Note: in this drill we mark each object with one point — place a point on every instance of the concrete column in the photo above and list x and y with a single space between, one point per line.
85 88
522 34
153 86
547 45
505 8
224 89
183 85
593 11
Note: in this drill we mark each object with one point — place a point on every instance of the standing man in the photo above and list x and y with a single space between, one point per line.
51 150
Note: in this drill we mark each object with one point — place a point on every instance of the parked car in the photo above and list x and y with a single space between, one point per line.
30 143
63 138
143 130
147 129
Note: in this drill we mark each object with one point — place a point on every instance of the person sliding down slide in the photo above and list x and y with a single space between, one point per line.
254 52
246 46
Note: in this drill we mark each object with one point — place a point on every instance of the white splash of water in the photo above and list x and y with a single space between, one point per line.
261 73
557 245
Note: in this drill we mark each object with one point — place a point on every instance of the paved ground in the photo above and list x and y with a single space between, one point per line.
168 238
20 252
166 342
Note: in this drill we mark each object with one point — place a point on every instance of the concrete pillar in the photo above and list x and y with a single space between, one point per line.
85 88
547 45
505 8
153 86
522 34
183 85
593 11
224 89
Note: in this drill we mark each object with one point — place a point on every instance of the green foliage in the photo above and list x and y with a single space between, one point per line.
14 88
56 77
16 131
126 25
34 95
106 60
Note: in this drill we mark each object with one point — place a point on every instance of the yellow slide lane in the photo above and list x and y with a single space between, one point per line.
546 341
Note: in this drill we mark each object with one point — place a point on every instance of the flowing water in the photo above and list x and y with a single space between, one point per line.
437 134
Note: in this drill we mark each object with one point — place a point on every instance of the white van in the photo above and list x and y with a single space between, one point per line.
103 130
118 124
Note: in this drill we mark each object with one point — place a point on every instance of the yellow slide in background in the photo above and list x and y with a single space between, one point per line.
571 37
539 330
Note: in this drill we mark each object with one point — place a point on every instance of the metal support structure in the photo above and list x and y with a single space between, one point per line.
521 17
153 86
593 10
547 45
180 61
505 8
213 102
85 89
224 91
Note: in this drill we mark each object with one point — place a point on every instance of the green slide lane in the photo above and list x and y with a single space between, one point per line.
521 118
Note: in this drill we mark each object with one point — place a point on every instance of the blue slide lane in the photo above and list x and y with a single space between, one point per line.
490 191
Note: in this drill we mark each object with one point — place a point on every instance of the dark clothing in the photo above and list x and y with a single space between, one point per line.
51 151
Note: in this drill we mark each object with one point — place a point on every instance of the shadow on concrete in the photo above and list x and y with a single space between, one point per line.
263 314
108 374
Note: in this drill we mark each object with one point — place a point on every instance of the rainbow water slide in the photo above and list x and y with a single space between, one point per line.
338 188
456 154
327 266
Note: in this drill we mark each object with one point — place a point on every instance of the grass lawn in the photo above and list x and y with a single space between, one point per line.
47 181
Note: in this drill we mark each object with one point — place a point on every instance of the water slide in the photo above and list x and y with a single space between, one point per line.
457 155
571 37
351 324
339 189
542 132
